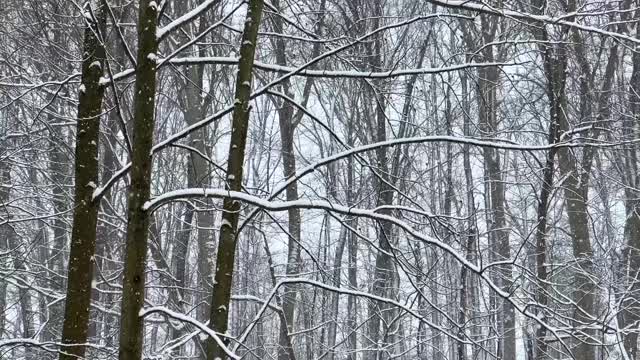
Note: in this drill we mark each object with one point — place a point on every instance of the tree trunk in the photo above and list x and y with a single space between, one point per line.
576 191
630 314
288 121
5 231
488 81
554 65
85 215
383 273
542 215
59 174
198 175
287 124
221 294
352 249
131 325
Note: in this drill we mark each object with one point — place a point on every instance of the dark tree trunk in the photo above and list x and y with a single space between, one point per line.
131 325
221 294
85 215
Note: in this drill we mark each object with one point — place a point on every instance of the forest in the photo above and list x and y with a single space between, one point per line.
320 179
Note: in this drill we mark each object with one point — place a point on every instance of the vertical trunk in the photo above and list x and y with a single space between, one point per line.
55 258
278 298
3 285
335 298
198 176
584 292
383 273
221 293
542 216
5 230
131 325
287 127
106 237
554 65
434 262
85 216
352 248
487 84
466 294
576 191
470 249
59 173
632 226
288 121
26 312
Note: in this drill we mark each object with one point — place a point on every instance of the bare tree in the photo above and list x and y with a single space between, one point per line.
133 284
221 295
83 239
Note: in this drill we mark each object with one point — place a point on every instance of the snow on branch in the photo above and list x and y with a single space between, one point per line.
337 73
50 346
351 292
204 328
486 9
185 18
278 206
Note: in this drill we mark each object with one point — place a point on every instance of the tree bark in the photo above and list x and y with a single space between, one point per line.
630 314
543 204
131 325
576 191
554 65
487 96
221 294
384 270
85 215
287 124
5 229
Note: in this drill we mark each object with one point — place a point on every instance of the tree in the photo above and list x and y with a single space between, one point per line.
397 179
225 261
133 283
85 215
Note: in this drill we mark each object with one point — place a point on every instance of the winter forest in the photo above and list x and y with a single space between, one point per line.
326 180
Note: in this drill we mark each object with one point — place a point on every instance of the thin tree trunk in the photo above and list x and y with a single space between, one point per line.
352 249
25 298
466 294
554 65
542 216
488 82
59 173
288 121
335 299
630 313
576 193
221 294
198 176
5 231
131 325
287 124
383 273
